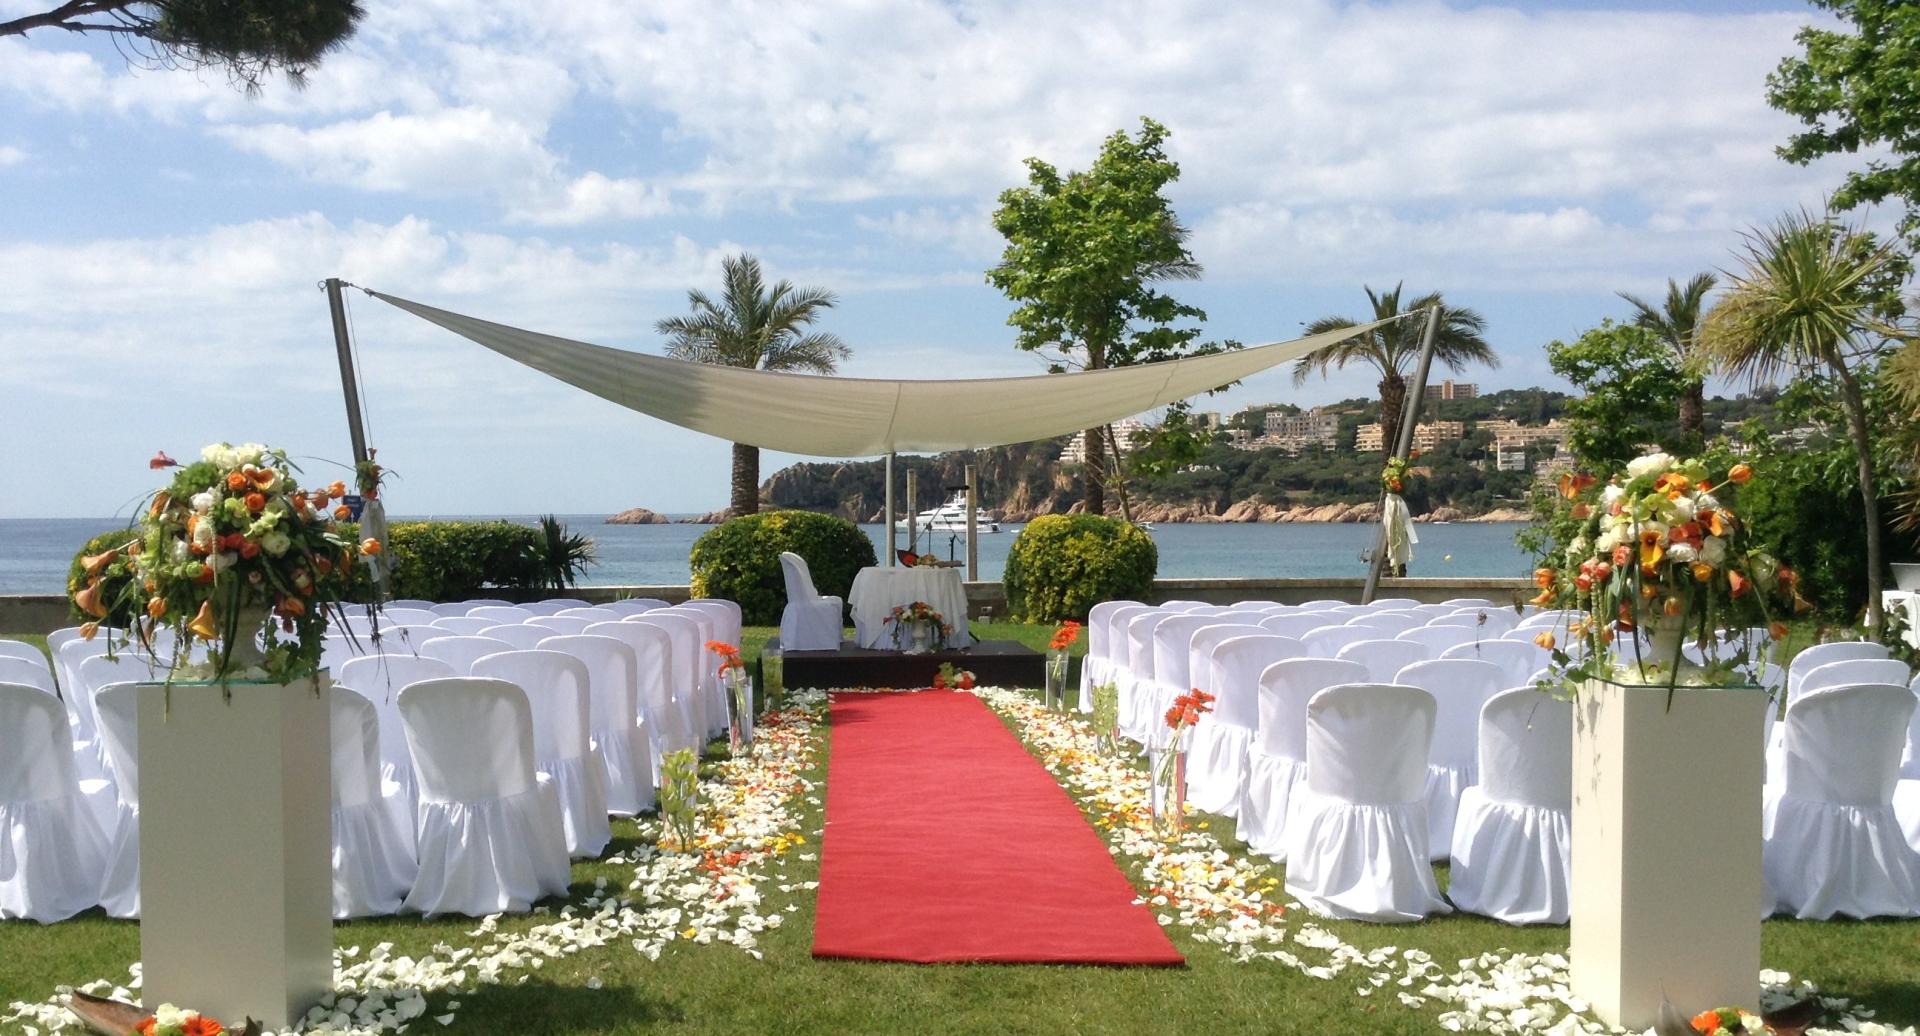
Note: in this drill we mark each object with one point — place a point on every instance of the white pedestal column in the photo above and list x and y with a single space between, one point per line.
1667 888
236 881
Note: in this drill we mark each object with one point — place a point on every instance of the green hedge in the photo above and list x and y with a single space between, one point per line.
739 560
452 561
1061 565
113 581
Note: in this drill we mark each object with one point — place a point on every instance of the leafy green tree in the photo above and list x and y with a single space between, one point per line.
1083 251
1677 324
251 39
754 326
1392 349
1630 379
1855 87
1813 294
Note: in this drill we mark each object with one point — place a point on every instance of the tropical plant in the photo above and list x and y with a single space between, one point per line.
1676 323
1083 250
1814 294
560 557
1394 347
758 327
251 39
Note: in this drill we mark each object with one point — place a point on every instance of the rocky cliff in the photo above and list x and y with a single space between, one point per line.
638 516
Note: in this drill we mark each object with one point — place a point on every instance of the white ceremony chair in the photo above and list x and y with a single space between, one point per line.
636 605
558 692
1094 664
1518 659
1460 688
1135 681
1458 603
1438 639
464 625
686 664
560 604
16 670
1395 604
411 602
1182 605
55 641
1321 605
1277 760
401 616
120 883
591 612
1294 624
811 621
1357 838
713 693
1256 606
380 679
1833 844
1200 649
67 672
373 865
1811 658
26 653
1512 842
620 734
1172 654
500 614
1556 619
726 611
1383 658
485 602
564 625
450 609
522 636
462 652
1327 641
1432 611
539 608
92 674
489 834
1218 746
52 853
1346 612
1491 621
1387 623
1906 794
669 712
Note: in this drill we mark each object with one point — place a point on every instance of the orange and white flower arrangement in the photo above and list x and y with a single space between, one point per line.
1660 545
232 549
169 1020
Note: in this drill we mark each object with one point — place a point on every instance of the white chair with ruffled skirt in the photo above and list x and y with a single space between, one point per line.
52 853
1221 743
373 864
1512 837
557 684
1277 759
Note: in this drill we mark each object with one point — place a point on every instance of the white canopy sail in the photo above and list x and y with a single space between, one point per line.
865 417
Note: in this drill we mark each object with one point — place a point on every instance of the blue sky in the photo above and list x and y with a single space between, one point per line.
574 169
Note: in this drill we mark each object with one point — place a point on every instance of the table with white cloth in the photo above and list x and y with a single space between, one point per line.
877 591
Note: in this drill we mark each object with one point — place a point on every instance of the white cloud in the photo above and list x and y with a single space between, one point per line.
10 155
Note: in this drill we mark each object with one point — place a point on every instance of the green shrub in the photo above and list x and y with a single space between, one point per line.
739 560
113 580
451 561
1806 511
1061 565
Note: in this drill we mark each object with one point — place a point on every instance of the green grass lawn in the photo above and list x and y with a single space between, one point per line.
717 988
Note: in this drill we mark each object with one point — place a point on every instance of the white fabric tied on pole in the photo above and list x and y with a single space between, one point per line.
1398 522
863 417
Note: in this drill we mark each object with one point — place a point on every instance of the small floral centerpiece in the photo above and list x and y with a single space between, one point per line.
1728 1021
952 677
926 628
169 1020
1169 770
1063 640
236 554
1660 548
733 673
926 561
1393 477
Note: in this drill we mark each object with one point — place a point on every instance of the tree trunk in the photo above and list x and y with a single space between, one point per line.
1117 475
746 479
1693 414
1093 473
1393 399
1869 492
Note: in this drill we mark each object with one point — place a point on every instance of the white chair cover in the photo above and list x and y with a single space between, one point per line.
1253 605
557 686
1388 623
1555 619
407 616
1829 665
464 625
539 608
1182 606
490 837
1357 837
1321 605
1277 759
1200 648
635 605
1832 842
1906 794
481 602
120 883
713 694
1294 624
1439 639
1518 659
1512 842
1218 746
687 663
559 604
380 679
1327 641
103 671
410 602
52 853
1383 658
1346 612
1458 603
522 636
727 612
373 865
76 693
670 721
15 670
565 625
450 608
811 620
1460 688
1172 648
1395 604
1093 665
26 653
621 737
462 652
501 614
1134 677
1432 610
592 613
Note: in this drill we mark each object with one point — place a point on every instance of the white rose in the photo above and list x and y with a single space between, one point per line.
275 543
1683 508
222 561
202 502
1611 494
203 535
1706 502
1651 464
1713 551
1682 552
1607 541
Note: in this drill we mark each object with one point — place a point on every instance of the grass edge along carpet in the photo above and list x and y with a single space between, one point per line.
947 842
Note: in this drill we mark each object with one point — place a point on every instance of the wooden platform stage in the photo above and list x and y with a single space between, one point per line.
998 663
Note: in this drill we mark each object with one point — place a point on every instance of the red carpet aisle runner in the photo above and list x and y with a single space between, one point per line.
946 841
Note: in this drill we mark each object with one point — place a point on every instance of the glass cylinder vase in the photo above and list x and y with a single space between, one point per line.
1056 689
739 710
1167 791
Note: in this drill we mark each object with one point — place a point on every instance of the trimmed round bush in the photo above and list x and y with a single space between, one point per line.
452 561
739 560
113 580
1061 565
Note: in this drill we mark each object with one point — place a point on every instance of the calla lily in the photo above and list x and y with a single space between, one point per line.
203 625
93 564
88 600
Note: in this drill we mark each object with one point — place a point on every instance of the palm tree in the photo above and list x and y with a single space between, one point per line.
753 326
1677 324
1392 348
1807 296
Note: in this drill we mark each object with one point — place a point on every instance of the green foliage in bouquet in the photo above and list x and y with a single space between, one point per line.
113 578
1061 565
680 796
739 560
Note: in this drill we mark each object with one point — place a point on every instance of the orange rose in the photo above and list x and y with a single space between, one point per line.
1622 557
371 547
1706 1023
1777 630
156 607
291 607
146 1026
201 1025
1674 606
1543 578
249 549
1702 571
236 481
1739 474
341 513
256 502
338 489
1736 583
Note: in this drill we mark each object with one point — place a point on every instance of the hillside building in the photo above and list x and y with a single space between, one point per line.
1123 433
1370 439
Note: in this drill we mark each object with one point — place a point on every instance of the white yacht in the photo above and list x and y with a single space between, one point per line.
951 517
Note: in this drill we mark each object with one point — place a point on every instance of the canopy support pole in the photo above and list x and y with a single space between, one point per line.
891 555
973 525
348 383
913 512
1402 443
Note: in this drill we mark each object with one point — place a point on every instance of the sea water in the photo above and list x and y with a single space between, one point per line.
35 553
